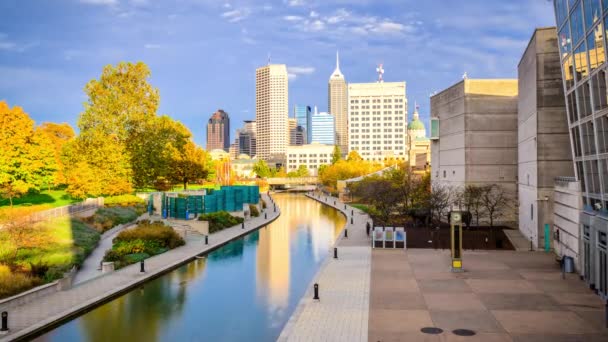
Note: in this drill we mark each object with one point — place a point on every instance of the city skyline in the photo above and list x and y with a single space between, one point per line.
53 66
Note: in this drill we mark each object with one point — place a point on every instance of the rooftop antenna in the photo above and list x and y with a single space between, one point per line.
465 76
380 71
269 58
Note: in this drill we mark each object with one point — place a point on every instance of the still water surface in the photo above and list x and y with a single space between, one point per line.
244 291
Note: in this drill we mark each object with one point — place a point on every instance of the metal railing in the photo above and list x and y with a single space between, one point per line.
88 204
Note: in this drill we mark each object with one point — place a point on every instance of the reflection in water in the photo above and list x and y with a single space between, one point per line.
244 291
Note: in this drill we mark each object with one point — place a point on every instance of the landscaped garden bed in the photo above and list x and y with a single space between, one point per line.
220 220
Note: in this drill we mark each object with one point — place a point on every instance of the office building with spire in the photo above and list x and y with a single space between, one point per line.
218 131
377 120
338 105
271 110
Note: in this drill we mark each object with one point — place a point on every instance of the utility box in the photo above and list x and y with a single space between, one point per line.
456 237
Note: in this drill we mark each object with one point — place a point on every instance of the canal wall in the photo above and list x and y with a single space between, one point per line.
33 318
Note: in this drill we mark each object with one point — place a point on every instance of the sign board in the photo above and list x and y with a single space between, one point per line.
389 237
400 239
378 237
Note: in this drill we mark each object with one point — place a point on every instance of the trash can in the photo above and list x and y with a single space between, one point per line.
568 264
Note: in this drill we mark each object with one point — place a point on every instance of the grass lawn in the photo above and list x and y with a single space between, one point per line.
44 200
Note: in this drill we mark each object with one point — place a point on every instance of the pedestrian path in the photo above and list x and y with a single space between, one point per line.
29 318
342 311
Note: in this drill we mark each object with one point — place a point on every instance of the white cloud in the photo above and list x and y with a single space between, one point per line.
100 2
314 14
236 15
339 16
300 70
292 18
295 3
291 77
387 27
227 5
152 46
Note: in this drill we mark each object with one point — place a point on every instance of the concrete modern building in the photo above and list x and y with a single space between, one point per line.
271 110
476 142
419 146
323 128
580 26
218 131
312 156
567 204
338 105
377 117
302 115
543 140
247 138
296 132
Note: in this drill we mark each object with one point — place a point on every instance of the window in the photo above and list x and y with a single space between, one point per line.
576 137
565 41
572 108
584 100
602 130
580 62
596 52
599 90
592 12
576 23
581 176
604 165
588 132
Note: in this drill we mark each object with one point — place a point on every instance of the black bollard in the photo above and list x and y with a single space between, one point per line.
243 225
275 208
141 266
265 216
531 247
563 268
345 207
352 212
4 328
335 252
605 309
351 220
316 296
345 233
206 239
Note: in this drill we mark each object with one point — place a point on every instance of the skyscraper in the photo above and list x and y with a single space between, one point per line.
377 119
302 115
271 110
296 132
338 105
323 128
218 131
247 138
582 44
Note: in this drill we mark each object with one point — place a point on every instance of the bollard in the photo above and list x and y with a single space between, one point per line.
605 309
275 208
4 328
334 202
345 207
345 233
243 225
141 266
265 216
531 247
351 220
335 252
206 239
352 212
563 268
316 297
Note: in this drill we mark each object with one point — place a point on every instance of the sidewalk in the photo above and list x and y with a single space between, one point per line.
29 318
342 312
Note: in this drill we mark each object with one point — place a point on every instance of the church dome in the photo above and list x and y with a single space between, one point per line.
416 124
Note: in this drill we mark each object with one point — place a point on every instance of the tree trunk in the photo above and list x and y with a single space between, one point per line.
10 199
185 184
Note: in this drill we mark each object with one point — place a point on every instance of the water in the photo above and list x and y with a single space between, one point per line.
245 291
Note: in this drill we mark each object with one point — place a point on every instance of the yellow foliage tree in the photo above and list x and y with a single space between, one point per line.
58 135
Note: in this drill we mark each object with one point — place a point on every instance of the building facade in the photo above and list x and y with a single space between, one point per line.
419 146
218 131
247 139
542 138
377 116
337 95
296 132
323 128
271 110
476 142
311 155
302 115
581 39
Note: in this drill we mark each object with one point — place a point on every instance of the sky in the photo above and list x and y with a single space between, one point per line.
203 53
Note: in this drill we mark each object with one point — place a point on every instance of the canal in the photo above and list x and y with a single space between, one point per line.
244 291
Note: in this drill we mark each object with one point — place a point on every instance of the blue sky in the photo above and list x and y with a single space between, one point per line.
203 53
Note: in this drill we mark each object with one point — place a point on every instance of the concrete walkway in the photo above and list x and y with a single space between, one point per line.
341 314
26 319
501 296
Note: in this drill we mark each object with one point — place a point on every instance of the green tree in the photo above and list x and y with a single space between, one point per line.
261 169
189 164
336 155
26 156
302 171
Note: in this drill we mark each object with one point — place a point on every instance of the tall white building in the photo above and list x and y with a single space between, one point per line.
338 105
271 110
377 120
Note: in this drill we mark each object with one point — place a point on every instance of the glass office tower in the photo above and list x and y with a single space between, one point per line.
581 39
302 115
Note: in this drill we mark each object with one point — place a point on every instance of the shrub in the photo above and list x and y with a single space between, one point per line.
253 209
220 220
14 283
263 203
123 201
107 218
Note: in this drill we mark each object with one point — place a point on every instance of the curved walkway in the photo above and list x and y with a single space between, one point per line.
342 312
27 319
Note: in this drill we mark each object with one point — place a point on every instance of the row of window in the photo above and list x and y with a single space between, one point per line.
388 112
377 142
377 101
377 148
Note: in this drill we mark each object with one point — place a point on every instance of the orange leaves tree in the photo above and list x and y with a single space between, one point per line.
26 156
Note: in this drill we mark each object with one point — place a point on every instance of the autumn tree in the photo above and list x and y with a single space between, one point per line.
439 201
380 192
336 155
494 200
261 169
58 135
189 164
473 202
26 156
353 156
